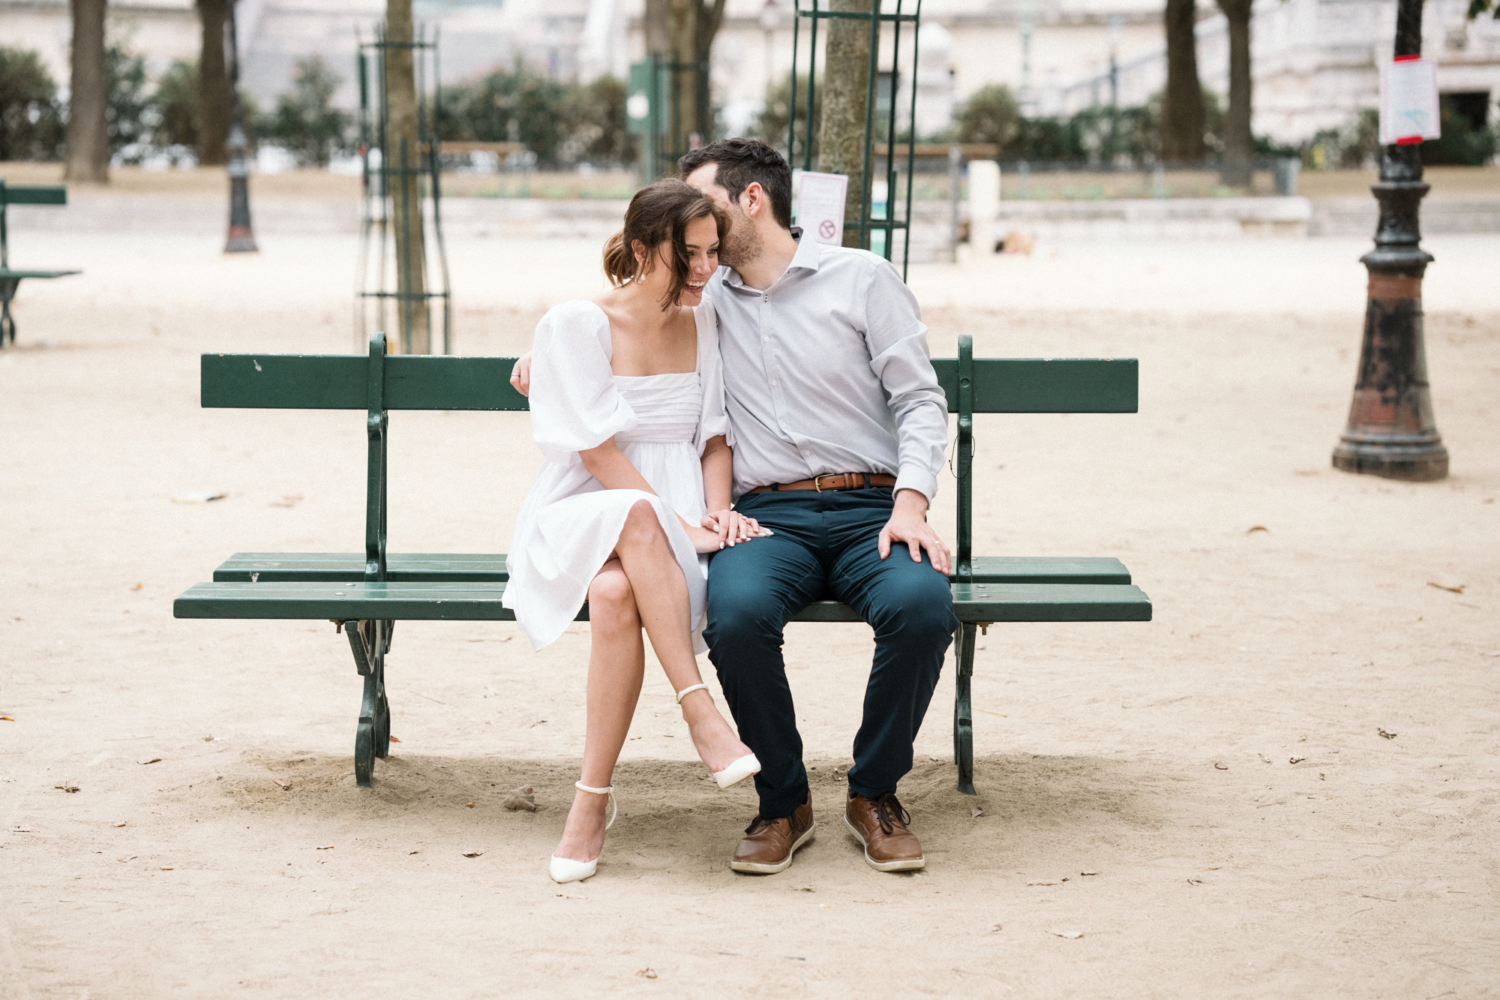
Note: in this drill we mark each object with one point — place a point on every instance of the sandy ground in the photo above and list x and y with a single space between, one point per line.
1204 805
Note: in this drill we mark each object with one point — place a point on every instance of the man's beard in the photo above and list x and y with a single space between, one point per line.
741 244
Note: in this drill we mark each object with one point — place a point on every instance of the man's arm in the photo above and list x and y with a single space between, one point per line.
897 340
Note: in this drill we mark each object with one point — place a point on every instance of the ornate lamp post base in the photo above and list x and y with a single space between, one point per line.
1392 431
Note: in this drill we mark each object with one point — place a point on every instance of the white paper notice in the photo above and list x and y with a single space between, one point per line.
820 207
1408 102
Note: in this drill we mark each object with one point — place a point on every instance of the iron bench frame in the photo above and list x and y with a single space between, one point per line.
364 595
10 279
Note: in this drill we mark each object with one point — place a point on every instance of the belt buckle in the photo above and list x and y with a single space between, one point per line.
817 484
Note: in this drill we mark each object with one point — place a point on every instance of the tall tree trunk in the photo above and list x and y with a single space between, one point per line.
1182 105
846 80
213 85
1238 141
655 27
691 27
406 152
88 129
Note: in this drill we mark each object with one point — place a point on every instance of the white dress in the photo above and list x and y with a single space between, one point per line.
570 523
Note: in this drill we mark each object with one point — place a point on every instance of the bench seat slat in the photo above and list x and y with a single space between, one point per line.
995 602
413 567
12 274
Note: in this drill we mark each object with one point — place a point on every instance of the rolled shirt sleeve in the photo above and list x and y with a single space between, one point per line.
900 358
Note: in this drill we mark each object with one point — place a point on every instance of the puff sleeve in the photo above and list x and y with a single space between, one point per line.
574 403
714 419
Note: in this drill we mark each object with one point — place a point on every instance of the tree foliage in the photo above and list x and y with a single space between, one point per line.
562 123
771 125
1094 135
31 125
126 101
175 104
305 121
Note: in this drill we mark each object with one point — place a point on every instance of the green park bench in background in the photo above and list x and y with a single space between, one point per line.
365 594
10 279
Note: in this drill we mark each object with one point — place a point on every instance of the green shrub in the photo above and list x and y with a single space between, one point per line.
305 121
31 123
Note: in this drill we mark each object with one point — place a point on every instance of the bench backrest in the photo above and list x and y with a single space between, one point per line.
25 195
380 383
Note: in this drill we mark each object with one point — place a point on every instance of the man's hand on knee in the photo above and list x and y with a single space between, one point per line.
908 524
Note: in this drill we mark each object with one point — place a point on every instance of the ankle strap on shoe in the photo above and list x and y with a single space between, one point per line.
614 809
689 690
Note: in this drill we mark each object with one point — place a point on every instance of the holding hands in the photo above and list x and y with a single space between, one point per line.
721 528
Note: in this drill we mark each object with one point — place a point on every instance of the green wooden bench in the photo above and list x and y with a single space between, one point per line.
365 594
10 278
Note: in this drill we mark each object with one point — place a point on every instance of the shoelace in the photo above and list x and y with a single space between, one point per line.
889 812
757 822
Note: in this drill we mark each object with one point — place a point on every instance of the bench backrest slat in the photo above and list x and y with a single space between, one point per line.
417 382
10 195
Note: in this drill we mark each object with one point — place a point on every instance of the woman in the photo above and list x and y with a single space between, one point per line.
627 405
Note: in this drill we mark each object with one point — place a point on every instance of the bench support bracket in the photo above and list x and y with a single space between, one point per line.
370 641
963 711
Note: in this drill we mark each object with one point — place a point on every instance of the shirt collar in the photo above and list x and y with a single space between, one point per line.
809 257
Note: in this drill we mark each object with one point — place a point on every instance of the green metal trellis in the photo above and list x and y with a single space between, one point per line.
871 222
377 284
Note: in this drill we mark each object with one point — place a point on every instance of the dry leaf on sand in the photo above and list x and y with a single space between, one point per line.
976 812
67 786
150 760
1258 527
521 798
1043 881
1386 735
120 822
1453 589
646 973
472 854
285 785
1070 935
1221 767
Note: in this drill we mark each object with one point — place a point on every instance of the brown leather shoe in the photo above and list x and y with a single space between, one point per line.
770 843
880 824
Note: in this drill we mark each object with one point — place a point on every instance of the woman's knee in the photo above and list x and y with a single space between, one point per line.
641 524
611 598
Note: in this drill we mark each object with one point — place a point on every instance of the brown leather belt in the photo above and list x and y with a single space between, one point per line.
836 481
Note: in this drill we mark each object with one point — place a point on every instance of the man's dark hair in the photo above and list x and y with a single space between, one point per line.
743 162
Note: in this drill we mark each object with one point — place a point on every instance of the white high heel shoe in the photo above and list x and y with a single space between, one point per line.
746 767
566 869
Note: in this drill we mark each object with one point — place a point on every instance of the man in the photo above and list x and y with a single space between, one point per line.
839 431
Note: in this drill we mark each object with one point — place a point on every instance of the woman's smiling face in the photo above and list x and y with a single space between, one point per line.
702 239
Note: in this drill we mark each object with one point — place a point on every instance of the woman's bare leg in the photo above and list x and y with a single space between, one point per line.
617 663
661 598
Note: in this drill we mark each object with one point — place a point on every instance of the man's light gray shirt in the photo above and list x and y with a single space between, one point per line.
828 371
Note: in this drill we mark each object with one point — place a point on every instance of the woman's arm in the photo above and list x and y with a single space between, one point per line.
718 477
718 471
608 464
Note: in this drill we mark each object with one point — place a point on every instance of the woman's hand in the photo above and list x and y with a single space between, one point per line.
730 527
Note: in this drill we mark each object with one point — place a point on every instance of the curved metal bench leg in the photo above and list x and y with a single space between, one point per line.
382 704
368 640
963 712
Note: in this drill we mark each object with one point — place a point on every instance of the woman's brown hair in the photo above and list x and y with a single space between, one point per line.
659 213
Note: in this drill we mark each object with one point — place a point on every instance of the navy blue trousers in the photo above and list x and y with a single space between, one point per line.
825 547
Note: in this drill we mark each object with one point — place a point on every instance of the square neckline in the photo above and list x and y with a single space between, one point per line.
697 342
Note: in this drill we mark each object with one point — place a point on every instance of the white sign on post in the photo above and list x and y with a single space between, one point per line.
820 206
1408 101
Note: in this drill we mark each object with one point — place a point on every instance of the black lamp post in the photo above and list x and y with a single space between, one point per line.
1392 431
241 235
